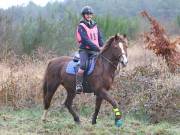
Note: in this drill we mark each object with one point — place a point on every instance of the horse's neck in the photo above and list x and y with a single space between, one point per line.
108 63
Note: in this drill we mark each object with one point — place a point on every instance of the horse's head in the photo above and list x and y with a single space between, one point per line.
117 45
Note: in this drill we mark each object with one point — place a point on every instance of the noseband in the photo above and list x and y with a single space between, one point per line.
109 61
114 66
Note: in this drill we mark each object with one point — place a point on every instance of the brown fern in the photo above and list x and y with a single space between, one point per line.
158 41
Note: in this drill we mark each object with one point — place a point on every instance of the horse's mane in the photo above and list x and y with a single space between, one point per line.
108 43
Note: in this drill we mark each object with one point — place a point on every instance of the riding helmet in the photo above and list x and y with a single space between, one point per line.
87 10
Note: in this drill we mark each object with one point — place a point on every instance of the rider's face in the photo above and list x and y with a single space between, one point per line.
88 17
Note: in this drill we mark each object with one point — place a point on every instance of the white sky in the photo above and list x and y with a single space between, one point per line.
8 3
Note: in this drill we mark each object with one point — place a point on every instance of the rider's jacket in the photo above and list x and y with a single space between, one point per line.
88 36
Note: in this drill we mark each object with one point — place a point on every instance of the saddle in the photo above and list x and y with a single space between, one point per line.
73 65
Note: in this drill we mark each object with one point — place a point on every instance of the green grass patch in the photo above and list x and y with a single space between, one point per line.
28 122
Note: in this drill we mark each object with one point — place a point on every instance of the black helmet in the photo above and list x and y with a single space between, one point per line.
87 10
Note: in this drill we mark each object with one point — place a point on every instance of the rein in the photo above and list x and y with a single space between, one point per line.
114 66
117 68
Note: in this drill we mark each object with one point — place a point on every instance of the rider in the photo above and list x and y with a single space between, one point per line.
89 39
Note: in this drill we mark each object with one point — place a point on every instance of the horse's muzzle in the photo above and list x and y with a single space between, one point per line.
124 60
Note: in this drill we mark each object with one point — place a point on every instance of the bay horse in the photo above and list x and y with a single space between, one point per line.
113 53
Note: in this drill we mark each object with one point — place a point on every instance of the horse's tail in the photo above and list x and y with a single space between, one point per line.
44 87
45 84
49 85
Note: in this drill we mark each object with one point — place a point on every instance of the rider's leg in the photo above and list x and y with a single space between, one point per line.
80 73
79 80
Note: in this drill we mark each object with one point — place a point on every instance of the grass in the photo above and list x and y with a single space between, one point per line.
27 122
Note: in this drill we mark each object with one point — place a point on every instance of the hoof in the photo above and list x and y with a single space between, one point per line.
43 119
77 121
94 119
118 122
93 122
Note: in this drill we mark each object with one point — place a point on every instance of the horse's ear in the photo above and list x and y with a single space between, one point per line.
124 36
116 36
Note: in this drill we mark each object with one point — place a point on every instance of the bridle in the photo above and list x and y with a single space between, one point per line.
110 62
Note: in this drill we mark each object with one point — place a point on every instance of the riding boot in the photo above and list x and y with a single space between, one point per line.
79 81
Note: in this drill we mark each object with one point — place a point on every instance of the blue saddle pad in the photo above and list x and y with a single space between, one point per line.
73 67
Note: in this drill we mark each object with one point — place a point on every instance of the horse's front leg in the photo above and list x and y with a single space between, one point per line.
97 108
105 95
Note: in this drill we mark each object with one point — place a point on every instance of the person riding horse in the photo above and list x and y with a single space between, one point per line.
114 52
89 39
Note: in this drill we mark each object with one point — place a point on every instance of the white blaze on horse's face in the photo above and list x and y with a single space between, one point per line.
123 58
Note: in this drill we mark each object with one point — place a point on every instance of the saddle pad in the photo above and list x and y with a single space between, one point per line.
73 67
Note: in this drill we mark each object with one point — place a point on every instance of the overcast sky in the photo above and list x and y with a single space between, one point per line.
8 3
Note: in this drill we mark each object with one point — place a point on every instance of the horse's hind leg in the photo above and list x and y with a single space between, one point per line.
49 89
68 104
97 108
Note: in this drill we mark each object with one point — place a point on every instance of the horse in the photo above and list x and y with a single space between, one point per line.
113 53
